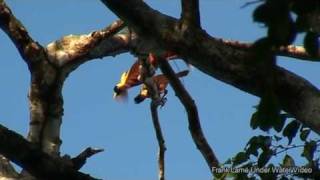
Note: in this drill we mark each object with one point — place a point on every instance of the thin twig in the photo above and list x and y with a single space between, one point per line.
193 118
292 147
161 142
250 3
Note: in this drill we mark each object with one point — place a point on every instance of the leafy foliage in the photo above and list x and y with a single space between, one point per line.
291 130
277 16
261 149
284 19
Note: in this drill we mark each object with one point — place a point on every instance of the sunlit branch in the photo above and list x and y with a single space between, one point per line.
73 50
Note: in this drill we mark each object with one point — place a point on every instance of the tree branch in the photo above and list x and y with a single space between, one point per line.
192 112
45 93
47 77
30 50
231 65
160 139
146 73
6 169
73 50
30 157
292 51
80 160
190 15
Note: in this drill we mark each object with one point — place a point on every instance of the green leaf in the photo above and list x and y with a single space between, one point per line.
283 178
266 142
311 43
254 122
253 146
240 158
279 122
253 149
282 33
309 149
269 111
277 138
264 157
302 23
241 176
291 130
304 7
262 14
270 175
229 161
288 161
262 49
257 142
304 134
221 176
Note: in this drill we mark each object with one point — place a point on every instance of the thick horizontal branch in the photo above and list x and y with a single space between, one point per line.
193 117
29 156
231 65
73 50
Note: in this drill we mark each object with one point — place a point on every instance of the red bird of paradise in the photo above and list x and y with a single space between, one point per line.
130 78
161 81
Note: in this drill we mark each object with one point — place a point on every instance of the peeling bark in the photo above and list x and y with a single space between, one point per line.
48 73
